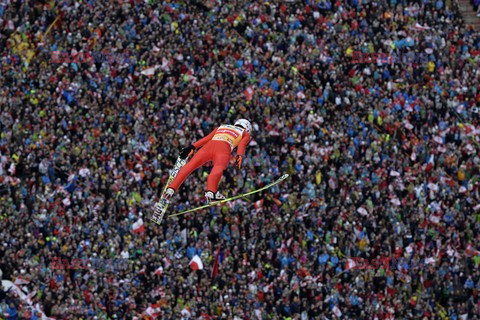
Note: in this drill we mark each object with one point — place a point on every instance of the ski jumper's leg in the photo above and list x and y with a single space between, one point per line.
221 159
200 158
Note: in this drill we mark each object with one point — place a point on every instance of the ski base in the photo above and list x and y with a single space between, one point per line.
158 214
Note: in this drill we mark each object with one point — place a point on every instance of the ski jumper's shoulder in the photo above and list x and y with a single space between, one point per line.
205 139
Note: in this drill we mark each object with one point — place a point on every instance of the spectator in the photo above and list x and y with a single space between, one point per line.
383 158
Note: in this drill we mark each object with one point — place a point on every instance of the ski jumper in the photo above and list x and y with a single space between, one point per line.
217 147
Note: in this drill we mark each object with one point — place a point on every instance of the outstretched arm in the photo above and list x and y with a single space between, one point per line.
204 140
243 143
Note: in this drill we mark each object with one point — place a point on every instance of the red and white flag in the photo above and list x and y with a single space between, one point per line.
196 263
159 271
248 93
408 125
396 202
358 230
30 296
438 139
471 251
150 71
337 311
143 270
362 211
350 264
166 262
154 310
430 163
470 130
165 64
186 312
21 280
258 205
138 227
419 27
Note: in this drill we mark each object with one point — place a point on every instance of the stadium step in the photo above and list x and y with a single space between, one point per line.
468 13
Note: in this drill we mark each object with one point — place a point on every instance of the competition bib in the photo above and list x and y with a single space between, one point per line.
230 134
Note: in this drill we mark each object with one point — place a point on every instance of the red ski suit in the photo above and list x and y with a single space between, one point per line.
217 147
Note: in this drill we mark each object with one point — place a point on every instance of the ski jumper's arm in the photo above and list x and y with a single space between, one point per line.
204 140
243 143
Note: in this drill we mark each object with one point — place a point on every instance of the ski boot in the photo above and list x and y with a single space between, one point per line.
210 196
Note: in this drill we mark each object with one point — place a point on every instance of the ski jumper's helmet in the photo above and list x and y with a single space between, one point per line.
245 124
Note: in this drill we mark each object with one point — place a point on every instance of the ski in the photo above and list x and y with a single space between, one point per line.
285 176
158 215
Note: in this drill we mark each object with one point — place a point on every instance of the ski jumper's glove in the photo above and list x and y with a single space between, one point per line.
238 161
187 151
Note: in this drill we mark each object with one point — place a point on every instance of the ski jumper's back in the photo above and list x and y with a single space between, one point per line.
234 136
217 147
230 134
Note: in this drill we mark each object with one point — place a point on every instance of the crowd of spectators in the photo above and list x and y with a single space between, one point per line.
383 159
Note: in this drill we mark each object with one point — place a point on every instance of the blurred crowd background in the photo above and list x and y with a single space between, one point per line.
383 159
